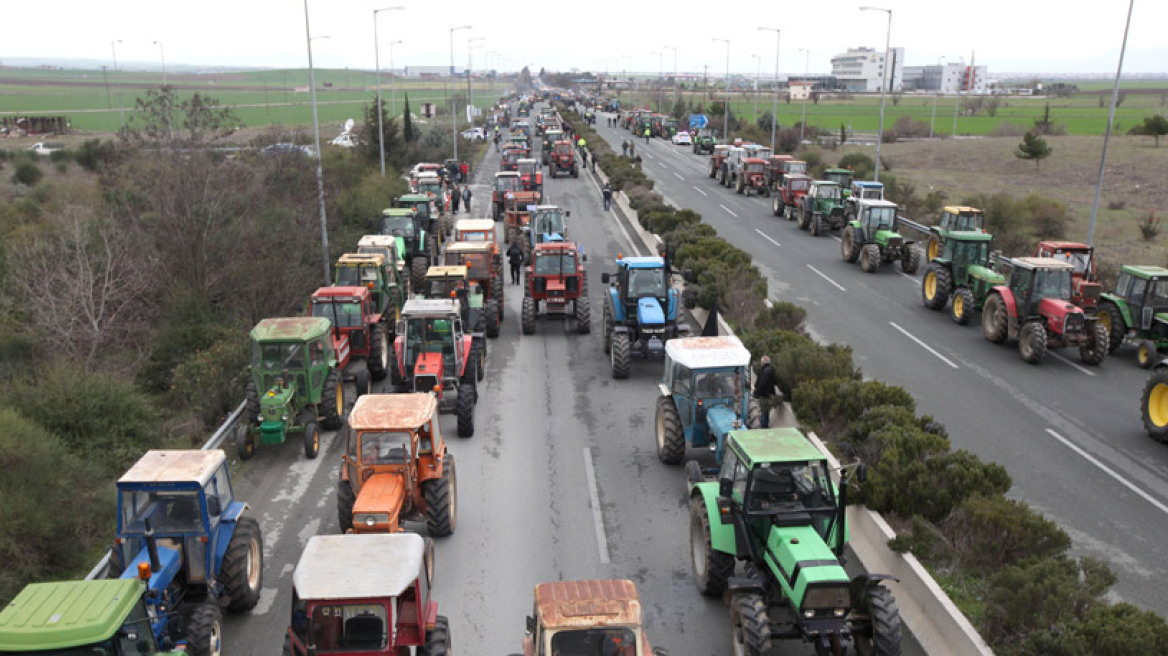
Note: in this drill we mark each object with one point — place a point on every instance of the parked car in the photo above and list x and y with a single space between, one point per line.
475 134
42 148
682 138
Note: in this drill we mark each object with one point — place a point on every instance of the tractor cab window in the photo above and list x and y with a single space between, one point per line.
349 627
1080 261
1020 282
613 641
1123 286
798 184
1139 286
169 512
275 357
397 226
880 218
339 314
1158 293
646 282
838 178
1053 283
831 192
554 264
812 486
754 167
385 448
547 222
316 352
430 188
527 168
773 490
682 380
967 252
796 167
466 235
716 384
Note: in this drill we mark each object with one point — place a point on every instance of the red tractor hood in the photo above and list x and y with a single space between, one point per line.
1056 311
429 364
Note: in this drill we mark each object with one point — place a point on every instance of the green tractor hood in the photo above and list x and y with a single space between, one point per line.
65 614
798 557
275 413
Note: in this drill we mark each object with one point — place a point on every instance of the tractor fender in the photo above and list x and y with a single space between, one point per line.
467 344
721 535
1008 299
1121 303
620 329
664 389
614 304
862 582
671 315
742 584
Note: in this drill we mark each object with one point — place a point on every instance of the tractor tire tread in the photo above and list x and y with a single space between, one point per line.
441 495
233 575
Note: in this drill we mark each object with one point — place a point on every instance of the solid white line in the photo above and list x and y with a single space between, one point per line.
912 278
649 155
767 237
824 276
924 345
1110 472
597 518
728 210
700 191
679 176
1080 368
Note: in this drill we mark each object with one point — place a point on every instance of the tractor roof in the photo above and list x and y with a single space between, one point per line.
867 184
528 160
66 614
797 176
585 604
429 307
707 352
427 176
1072 246
774 445
874 202
361 259
475 225
358 566
414 198
556 247
175 466
825 183
961 209
524 195
507 174
838 170
1145 271
781 158
468 247
399 211
547 208
392 411
387 241
345 293
446 271
642 262
290 329
1040 263
970 235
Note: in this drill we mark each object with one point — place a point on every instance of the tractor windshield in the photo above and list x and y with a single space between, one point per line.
789 487
1052 283
339 314
528 168
755 168
469 235
880 218
646 282
612 641
1080 260
356 276
717 384
434 188
339 628
970 252
277 356
799 184
476 264
548 222
397 226
422 208
842 179
563 149
830 192
554 264
966 221
385 448
507 183
796 167
168 512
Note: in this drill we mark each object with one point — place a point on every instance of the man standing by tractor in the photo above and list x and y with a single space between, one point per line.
515 259
466 198
607 192
455 198
764 391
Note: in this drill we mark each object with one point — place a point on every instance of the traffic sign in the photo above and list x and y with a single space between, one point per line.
698 121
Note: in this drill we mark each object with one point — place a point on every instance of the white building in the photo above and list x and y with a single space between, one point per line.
946 78
862 69
801 90
432 71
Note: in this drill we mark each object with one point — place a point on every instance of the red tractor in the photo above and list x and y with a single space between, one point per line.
512 153
1034 306
520 206
556 277
432 353
789 194
753 177
718 160
531 177
1085 287
506 182
563 160
774 171
358 332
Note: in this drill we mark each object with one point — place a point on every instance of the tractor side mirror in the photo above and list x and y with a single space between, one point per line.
862 473
725 486
584 257
689 276
530 625
213 508
604 277
567 213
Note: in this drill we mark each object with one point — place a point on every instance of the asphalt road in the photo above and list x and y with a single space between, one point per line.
560 481
1068 433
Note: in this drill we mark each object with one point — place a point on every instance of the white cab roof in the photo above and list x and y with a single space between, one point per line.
177 466
474 225
707 352
358 566
429 306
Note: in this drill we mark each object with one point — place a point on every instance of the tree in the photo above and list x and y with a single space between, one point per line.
160 116
1044 125
1156 126
1033 147
371 149
408 131
992 105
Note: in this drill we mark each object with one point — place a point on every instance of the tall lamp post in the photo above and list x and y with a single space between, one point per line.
121 110
757 74
316 138
1110 122
726 109
660 75
453 111
775 105
469 87
806 92
957 94
940 84
162 55
380 108
392 80
883 84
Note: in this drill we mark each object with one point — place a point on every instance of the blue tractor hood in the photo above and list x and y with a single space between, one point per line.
169 560
721 419
649 312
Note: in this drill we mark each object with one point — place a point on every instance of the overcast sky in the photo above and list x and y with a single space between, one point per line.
1059 36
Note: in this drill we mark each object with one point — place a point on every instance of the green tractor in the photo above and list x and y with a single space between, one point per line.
774 507
295 383
842 177
1154 403
431 211
417 241
953 219
872 238
380 276
703 142
1137 312
822 208
966 271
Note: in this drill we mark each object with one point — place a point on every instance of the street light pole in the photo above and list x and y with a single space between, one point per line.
757 74
453 109
883 83
316 137
1110 122
121 109
726 109
807 92
660 54
162 54
469 86
775 104
380 107
957 97
392 80
940 84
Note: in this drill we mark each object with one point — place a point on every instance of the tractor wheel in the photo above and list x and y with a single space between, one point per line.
332 401
1032 342
1112 321
1146 354
252 395
311 440
470 373
934 248
670 436
750 627
242 574
480 324
432 248
620 355
753 414
575 170
346 497
465 409
378 362
994 322
713 169
848 250
777 206
527 315
205 631
441 495
711 568
936 286
739 187
1154 405
478 353
495 211
608 326
881 634
817 225
870 258
418 267
491 310
438 639
583 310
911 261
804 220
789 212
1095 349
963 306
396 378
244 444
361 382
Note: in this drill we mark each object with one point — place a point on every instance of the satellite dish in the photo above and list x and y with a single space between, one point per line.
348 125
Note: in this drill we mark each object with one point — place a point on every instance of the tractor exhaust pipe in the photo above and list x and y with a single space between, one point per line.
152 547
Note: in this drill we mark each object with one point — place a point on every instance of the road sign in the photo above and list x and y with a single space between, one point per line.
698 121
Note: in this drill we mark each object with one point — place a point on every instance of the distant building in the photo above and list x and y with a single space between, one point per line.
819 82
862 69
946 78
800 90
432 71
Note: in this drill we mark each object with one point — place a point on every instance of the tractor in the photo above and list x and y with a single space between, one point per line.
1085 287
793 187
556 276
703 142
752 177
862 190
88 617
182 532
822 208
774 172
531 177
872 239
386 247
417 241
377 274
429 208
953 219
481 230
966 271
563 160
774 506
551 137
520 207
1137 312
358 332
842 177
366 594
640 311
705 394
718 161
485 284
432 353
547 224
1034 306
587 617
505 183
1154 403
396 467
295 383
430 186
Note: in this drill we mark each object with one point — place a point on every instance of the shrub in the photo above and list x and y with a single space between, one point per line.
212 381
1048 217
797 359
27 173
991 533
1149 226
781 316
861 164
95 154
1047 595
190 322
909 127
829 405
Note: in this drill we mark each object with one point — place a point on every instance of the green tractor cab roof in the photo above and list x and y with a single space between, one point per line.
971 235
773 445
290 329
1145 271
399 211
707 352
64 614
413 198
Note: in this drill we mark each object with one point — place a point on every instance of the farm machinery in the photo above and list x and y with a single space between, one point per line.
560 627
484 284
872 238
640 311
1137 312
556 278
433 353
965 271
822 208
417 241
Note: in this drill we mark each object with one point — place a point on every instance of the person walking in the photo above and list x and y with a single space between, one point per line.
466 198
764 391
647 133
515 259
584 158
464 169
455 199
632 149
624 148
607 192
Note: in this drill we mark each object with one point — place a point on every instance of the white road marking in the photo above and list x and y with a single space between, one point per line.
728 210
924 345
267 599
1080 368
912 278
679 176
597 518
700 191
767 237
649 155
824 276
1109 471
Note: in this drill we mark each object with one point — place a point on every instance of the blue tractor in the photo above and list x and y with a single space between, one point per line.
640 311
705 394
181 531
547 225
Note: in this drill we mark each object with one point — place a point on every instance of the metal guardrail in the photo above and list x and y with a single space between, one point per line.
213 442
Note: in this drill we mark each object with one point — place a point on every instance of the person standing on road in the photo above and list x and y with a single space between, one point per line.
607 192
647 131
455 198
632 149
764 391
466 198
624 148
515 259
584 158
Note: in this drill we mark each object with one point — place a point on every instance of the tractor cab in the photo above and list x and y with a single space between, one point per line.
367 594
794 167
511 156
548 224
867 190
1081 257
555 279
485 285
561 624
346 308
289 357
530 176
1034 279
877 216
429 184
842 177
962 219
476 230
965 250
475 256
374 273
451 282
506 181
433 353
404 226
825 190
1138 310
758 151
427 205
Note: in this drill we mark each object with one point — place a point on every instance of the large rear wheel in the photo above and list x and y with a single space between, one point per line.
935 286
418 267
527 315
962 310
1154 405
346 497
1146 355
670 436
583 310
332 401
378 362
437 639
1111 319
711 568
621 356
491 311
441 496
464 407
870 258
848 250
1032 342
242 574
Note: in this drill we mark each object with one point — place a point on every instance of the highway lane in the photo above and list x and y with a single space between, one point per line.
1069 434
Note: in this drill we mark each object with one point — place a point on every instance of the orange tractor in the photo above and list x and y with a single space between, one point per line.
563 160
396 467
752 178
531 177
520 207
506 182
556 277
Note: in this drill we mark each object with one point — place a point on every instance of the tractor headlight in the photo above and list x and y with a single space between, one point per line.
809 614
840 612
371 519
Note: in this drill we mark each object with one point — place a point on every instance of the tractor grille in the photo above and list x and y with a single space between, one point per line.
827 597
1074 323
425 383
556 293
895 242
